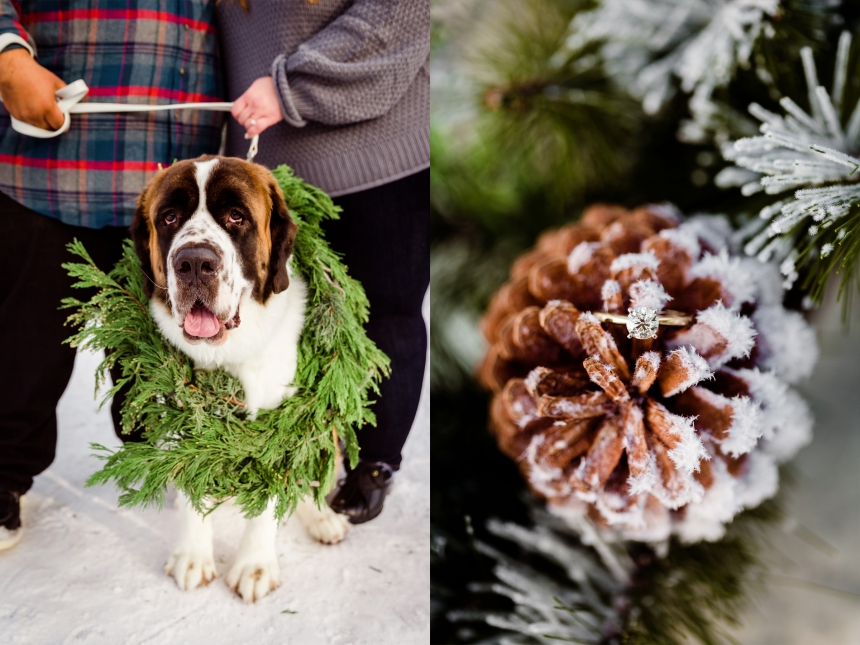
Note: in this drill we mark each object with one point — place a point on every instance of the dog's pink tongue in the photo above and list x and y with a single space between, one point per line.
201 322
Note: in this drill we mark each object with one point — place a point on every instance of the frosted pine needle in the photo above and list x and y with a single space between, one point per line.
699 43
814 155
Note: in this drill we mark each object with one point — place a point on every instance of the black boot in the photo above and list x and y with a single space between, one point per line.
363 492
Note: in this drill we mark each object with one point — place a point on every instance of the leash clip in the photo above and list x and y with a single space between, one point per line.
252 151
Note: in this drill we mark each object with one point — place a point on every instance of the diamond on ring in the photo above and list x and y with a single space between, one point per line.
642 323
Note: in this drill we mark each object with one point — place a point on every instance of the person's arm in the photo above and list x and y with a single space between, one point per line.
26 88
358 67
355 69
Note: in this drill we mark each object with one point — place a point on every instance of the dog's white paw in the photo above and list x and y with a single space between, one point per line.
190 569
328 528
254 579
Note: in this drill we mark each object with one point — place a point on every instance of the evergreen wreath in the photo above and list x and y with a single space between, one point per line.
197 434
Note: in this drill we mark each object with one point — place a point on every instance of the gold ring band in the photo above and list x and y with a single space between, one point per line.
643 323
673 318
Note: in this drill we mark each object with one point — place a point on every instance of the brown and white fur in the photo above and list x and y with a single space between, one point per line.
214 237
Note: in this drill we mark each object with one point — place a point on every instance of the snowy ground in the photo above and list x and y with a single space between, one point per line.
90 573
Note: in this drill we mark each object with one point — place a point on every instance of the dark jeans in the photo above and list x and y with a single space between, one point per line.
383 235
35 366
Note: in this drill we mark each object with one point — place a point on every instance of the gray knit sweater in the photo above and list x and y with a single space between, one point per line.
354 83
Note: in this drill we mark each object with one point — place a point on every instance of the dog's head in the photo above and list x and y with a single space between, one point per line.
209 232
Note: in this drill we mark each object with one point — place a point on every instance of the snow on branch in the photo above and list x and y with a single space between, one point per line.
658 44
812 158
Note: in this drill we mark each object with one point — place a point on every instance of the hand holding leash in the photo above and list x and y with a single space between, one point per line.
258 108
69 102
28 89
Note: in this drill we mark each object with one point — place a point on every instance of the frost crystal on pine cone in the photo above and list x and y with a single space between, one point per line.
652 42
646 437
816 154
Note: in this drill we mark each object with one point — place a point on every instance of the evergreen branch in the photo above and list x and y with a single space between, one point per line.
815 155
77 248
547 127
197 435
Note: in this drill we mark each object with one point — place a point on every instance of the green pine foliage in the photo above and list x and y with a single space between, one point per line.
547 126
557 117
198 435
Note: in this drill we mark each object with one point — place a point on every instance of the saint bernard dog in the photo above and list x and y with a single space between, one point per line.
214 238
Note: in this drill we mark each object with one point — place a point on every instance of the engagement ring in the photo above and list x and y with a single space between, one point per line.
642 323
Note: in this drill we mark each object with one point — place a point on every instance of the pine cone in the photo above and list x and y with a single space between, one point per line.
646 438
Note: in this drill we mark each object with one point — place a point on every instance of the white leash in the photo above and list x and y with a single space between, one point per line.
69 101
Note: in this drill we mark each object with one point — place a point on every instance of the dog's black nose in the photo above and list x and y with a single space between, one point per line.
196 264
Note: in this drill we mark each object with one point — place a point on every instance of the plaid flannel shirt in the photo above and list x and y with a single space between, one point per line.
137 51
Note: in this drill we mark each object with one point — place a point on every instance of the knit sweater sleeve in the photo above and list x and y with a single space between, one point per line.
358 67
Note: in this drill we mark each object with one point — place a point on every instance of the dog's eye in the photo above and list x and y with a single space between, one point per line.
169 217
235 216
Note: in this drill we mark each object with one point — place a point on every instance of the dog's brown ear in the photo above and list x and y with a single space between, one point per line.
140 236
283 232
